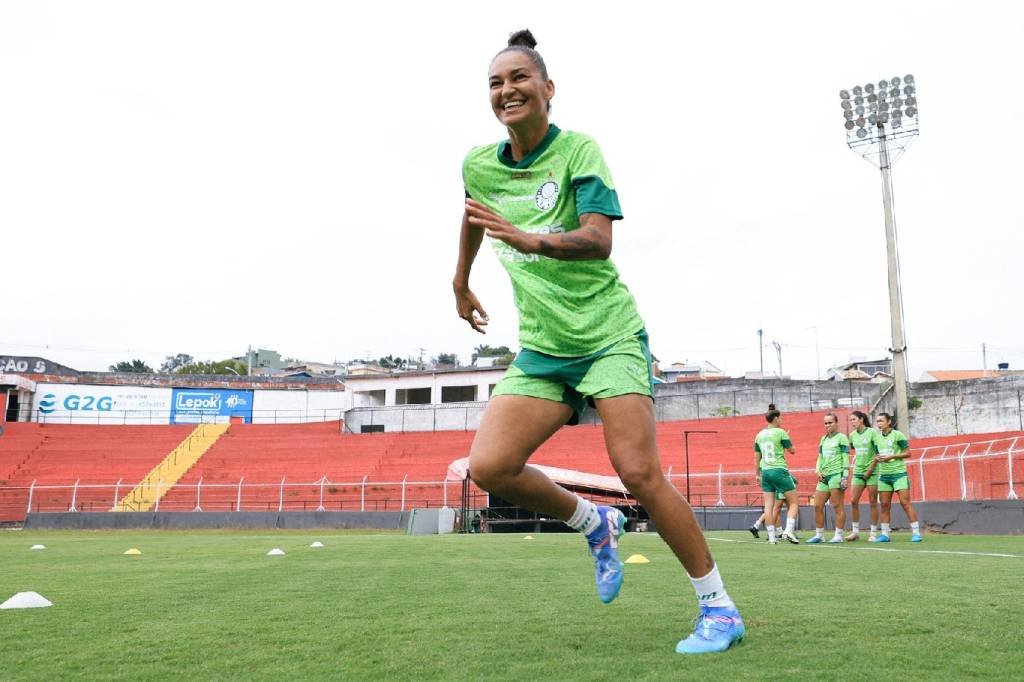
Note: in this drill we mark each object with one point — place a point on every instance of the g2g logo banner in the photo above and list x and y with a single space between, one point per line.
80 404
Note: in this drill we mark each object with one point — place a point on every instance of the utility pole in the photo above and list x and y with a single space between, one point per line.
778 351
248 361
984 361
760 349
817 350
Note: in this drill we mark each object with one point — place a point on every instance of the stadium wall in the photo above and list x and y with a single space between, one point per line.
673 402
210 520
975 406
981 517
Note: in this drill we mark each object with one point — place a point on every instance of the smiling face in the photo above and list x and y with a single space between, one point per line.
519 91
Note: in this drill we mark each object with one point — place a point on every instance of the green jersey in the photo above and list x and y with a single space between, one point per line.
890 444
772 442
566 308
833 454
864 444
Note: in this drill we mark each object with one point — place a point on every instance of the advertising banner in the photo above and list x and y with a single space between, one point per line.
206 405
82 404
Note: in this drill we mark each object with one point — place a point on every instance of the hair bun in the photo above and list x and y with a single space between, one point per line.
522 38
771 406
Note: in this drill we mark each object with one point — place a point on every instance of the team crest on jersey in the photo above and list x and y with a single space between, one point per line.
547 195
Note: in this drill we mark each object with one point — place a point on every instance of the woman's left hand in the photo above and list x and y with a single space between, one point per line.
497 227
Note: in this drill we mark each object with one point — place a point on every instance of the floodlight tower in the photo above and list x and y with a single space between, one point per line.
881 122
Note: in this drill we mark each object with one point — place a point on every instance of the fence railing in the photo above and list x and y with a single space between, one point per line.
966 471
962 471
320 495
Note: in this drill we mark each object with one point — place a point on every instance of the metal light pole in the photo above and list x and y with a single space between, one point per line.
760 349
881 122
686 449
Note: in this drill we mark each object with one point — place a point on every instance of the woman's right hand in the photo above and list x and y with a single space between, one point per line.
469 308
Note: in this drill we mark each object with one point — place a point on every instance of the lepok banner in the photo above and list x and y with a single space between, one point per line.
210 405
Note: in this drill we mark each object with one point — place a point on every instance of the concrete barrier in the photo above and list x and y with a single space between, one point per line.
199 520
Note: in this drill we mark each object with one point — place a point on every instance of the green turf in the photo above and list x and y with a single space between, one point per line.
204 605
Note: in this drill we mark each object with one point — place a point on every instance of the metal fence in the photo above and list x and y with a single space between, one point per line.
966 471
983 470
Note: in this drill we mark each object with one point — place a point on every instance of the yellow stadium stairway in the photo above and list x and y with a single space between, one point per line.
168 472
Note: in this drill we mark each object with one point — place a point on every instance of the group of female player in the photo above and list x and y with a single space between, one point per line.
879 467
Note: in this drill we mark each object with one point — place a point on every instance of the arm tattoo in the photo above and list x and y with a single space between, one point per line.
572 246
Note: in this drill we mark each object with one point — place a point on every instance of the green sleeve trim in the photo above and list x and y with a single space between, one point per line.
593 196
787 443
844 449
757 448
902 445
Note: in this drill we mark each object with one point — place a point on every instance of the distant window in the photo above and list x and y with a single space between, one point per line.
412 396
458 394
371 428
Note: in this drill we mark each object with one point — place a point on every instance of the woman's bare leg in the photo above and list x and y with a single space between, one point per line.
513 427
629 433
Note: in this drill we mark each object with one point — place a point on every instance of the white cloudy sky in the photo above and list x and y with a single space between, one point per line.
200 176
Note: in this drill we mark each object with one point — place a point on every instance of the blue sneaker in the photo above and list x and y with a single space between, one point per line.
815 540
916 537
836 540
604 547
882 538
715 629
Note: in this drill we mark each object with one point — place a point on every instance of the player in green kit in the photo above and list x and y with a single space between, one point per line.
545 199
862 442
832 470
774 520
893 450
770 448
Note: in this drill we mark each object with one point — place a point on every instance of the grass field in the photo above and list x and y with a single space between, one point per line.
205 605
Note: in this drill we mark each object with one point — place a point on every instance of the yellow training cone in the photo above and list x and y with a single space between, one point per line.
638 559
528 537
133 551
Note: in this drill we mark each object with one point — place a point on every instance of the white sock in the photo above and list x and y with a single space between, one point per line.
915 527
819 532
838 533
885 529
856 527
771 532
710 590
759 524
585 519
790 525
874 530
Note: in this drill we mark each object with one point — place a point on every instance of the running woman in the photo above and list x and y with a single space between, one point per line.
545 199
863 443
832 470
770 448
893 450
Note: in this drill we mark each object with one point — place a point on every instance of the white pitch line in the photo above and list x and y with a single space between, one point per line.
888 549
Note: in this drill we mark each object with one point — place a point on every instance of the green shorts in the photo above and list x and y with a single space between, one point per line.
782 496
777 481
619 369
831 482
864 482
888 483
